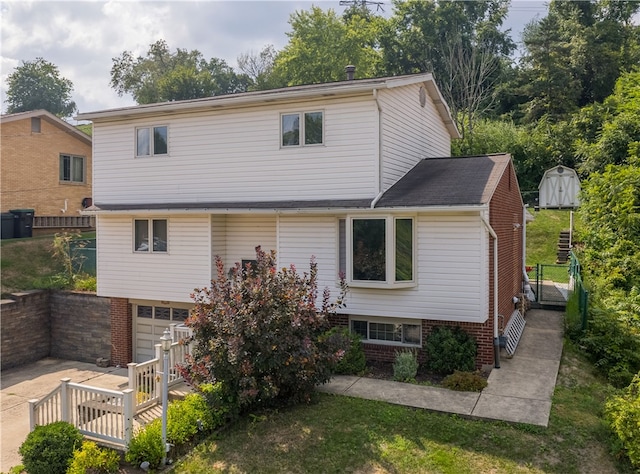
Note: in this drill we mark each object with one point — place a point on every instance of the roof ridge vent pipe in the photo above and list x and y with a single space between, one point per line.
351 72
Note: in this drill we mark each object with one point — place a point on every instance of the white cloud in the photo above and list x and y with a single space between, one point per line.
82 37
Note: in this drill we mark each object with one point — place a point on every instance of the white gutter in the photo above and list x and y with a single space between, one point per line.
323 210
380 162
496 343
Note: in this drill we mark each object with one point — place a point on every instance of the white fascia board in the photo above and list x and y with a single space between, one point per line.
320 210
246 99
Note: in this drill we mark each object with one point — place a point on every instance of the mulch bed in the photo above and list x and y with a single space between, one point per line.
384 371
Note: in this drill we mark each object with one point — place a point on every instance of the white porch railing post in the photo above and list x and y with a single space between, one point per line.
33 419
172 328
128 410
65 399
131 372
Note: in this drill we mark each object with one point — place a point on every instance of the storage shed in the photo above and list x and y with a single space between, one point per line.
559 188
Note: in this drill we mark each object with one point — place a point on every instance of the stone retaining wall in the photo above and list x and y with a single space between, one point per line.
26 328
80 326
66 325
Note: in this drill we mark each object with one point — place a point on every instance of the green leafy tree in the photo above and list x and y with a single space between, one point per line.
38 85
321 44
614 135
258 67
257 330
574 55
461 43
165 76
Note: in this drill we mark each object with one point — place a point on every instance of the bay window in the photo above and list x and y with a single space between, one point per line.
381 251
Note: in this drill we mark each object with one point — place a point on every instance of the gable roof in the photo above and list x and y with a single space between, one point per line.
49 117
447 181
286 94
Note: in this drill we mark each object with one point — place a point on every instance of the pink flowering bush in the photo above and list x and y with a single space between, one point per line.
257 330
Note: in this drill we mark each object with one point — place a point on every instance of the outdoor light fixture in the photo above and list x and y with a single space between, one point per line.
165 343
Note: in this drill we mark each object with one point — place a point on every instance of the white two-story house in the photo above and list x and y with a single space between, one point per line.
356 173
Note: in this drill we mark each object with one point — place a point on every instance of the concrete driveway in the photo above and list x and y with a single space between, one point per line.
34 381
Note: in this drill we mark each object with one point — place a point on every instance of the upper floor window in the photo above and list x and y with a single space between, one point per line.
152 141
302 128
380 251
72 169
150 230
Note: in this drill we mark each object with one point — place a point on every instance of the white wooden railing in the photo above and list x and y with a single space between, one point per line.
107 415
145 378
102 414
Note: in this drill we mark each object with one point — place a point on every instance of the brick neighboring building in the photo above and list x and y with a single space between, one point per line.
46 165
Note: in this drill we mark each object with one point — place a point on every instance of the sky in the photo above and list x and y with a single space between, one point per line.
82 37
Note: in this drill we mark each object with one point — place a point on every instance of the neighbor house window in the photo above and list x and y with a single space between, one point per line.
381 250
72 169
152 141
302 128
35 125
387 331
150 230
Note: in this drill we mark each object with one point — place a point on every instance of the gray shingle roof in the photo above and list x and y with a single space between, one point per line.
447 182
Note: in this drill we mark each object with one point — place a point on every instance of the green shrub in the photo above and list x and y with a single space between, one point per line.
465 381
186 418
146 445
622 413
613 343
450 349
92 459
405 367
353 361
49 449
220 407
259 331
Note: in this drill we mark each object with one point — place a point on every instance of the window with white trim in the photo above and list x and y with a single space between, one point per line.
150 230
302 128
71 169
380 251
387 331
152 141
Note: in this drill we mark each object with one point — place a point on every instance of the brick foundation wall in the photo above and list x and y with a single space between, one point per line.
26 328
483 333
80 326
121 332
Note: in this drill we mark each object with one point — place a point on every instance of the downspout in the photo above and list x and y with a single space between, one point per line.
380 163
496 339
524 240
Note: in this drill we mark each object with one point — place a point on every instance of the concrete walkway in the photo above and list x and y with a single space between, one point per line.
519 391
21 384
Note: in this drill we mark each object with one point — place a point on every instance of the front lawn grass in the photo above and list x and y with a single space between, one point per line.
543 233
342 434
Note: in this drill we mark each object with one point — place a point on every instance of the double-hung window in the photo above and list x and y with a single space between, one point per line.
71 169
152 141
302 128
387 331
380 251
150 235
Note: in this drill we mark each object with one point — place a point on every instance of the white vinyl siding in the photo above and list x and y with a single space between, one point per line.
168 276
301 237
409 132
235 237
212 159
452 275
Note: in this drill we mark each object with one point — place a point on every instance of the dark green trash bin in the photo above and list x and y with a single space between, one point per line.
7 225
23 222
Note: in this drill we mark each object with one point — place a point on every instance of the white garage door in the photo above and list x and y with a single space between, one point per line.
150 322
